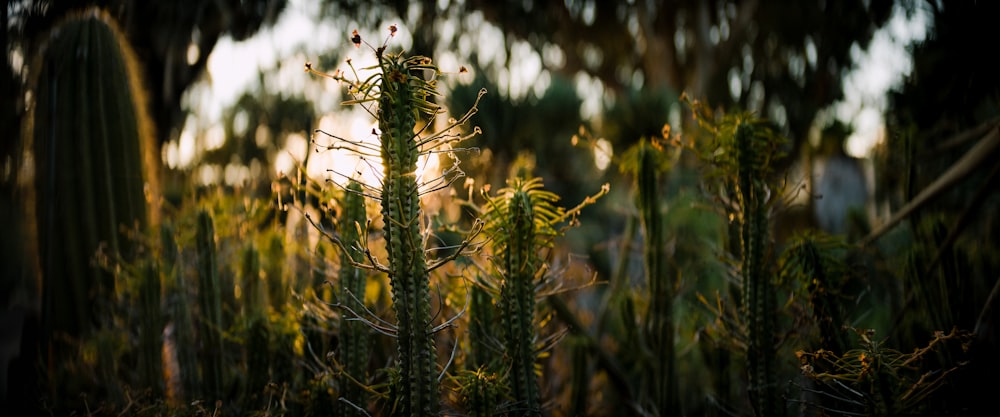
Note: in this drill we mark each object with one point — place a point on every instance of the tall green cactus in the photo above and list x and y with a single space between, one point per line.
482 318
93 147
742 153
209 300
400 91
519 220
659 323
354 334
255 316
151 330
758 289
182 334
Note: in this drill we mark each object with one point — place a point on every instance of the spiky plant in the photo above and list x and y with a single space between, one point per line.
742 153
522 220
182 334
876 380
397 94
519 220
481 391
758 293
651 164
817 261
93 146
354 335
210 303
256 322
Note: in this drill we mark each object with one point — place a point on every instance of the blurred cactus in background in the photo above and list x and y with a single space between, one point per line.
354 336
210 303
95 170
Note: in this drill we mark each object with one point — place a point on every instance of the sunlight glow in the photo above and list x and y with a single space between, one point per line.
214 137
193 53
186 145
603 152
880 69
292 155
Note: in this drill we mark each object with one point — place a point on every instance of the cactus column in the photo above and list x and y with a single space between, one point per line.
93 147
209 300
402 90
659 325
519 221
354 335
758 296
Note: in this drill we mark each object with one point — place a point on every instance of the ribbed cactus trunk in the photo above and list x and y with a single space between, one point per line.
521 264
758 294
481 393
659 322
151 330
354 335
482 313
183 386
92 144
209 300
258 332
408 276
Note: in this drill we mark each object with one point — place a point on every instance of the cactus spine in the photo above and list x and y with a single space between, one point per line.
210 300
354 334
